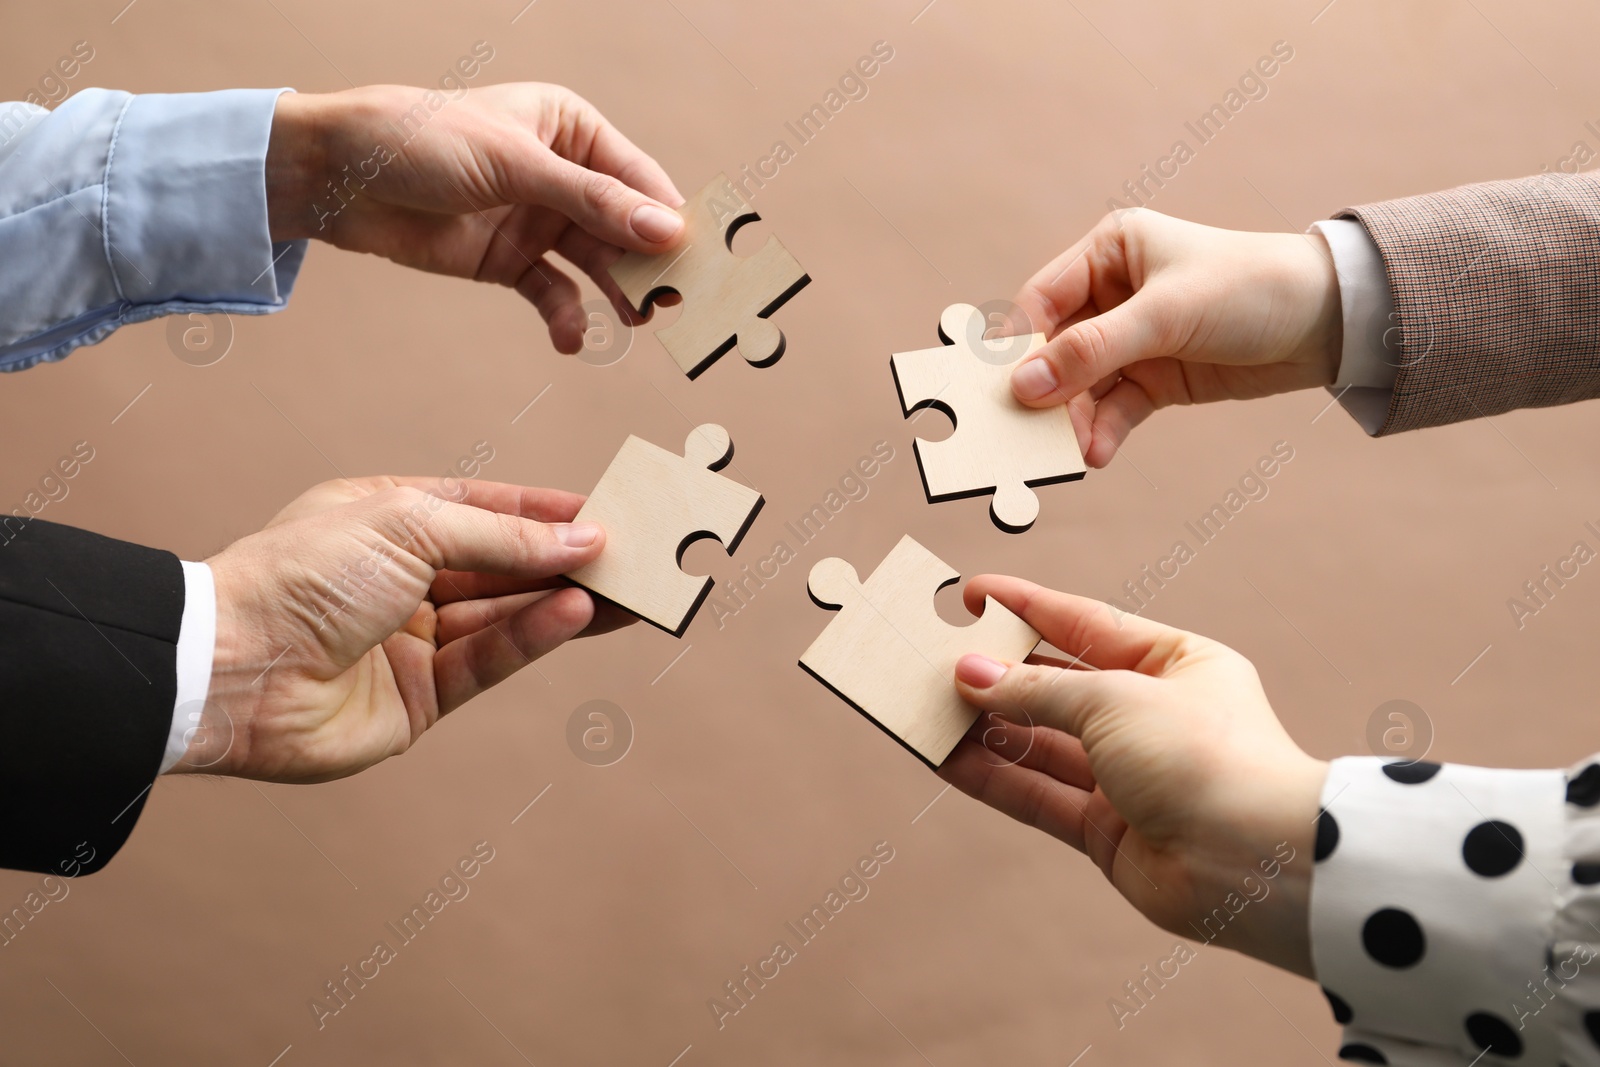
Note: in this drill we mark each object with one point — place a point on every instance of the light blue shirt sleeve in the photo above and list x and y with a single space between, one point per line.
117 208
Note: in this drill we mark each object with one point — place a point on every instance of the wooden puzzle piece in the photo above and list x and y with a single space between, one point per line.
726 298
889 655
999 445
653 505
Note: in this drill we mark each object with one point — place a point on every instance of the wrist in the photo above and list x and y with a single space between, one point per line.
219 742
1316 283
297 164
1264 881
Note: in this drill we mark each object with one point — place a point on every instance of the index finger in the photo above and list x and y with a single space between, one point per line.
1096 633
1059 289
459 537
523 501
612 153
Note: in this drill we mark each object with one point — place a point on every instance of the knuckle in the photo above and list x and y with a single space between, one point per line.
601 193
1036 798
1123 220
530 539
1084 350
1137 220
1116 220
634 173
553 103
397 501
1028 686
410 497
402 517
335 485
405 511
569 98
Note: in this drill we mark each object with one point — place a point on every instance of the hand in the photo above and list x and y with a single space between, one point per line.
484 186
1148 311
370 608
1159 757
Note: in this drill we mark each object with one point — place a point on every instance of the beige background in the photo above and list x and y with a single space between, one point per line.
620 902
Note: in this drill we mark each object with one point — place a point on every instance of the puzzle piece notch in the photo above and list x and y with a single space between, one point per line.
709 445
889 655
653 504
727 299
999 446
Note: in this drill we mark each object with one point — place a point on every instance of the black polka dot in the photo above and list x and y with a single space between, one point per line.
1393 938
1591 1023
1493 1034
1411 773
1327 835
1492 848
1362 1054
1584 790
1586 873
1341 1011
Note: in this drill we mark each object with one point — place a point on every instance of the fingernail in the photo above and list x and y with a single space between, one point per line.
655 224
577 534
1034 379
980 672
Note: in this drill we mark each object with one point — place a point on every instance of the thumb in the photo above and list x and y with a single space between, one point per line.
460 537
1032 694
604 206
1087 351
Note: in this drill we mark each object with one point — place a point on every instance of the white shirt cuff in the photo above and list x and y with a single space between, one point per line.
1368 361
197 638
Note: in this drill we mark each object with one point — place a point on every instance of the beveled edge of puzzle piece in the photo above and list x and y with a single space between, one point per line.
1012 508
719 440
865 714
764 326
693 205
601 598
705 589
953 322
708 445
841 573
745 213
712 441
1011 515
837 572
764 316
713 435
1005 516
729 546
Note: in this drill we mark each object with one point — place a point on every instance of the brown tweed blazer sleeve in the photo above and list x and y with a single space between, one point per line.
1497 291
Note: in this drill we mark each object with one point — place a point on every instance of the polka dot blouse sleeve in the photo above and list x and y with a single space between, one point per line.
1455 913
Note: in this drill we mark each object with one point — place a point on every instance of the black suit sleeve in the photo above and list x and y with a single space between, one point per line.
88 676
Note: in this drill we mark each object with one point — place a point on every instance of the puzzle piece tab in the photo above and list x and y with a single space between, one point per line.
653 505
889 655
999 445
726 298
